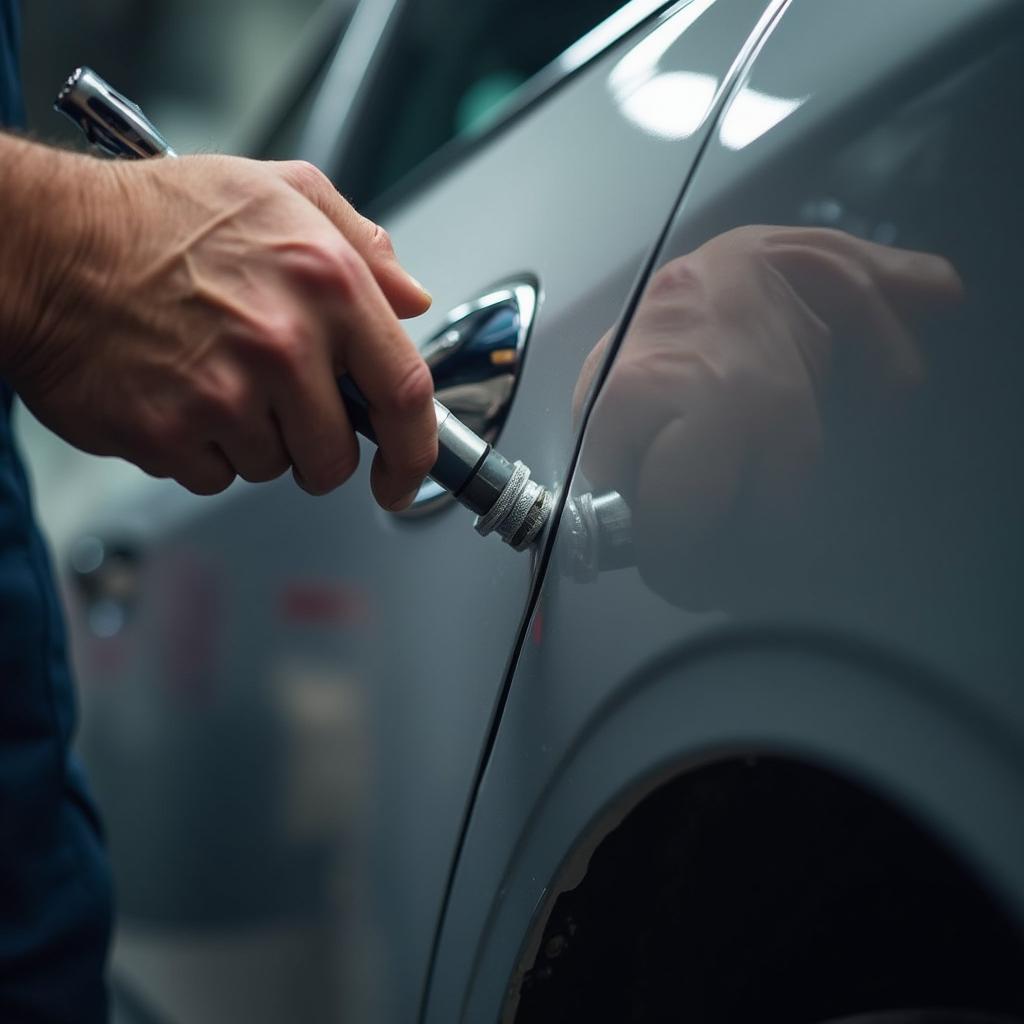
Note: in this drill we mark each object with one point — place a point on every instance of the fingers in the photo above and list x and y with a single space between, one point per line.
368 292
343 308
403 418
663 363
204 470
405 294
307 429
256 449
397 385
847 298
644 392
207 472
317 436
915 282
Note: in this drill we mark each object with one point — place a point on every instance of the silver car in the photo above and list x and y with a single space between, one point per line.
742 737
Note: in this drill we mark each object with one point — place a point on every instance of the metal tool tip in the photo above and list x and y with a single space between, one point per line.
69 86
521 511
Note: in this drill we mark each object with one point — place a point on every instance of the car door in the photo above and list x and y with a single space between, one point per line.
771 767
286 725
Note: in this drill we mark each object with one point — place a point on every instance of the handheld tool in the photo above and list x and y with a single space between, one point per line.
506 501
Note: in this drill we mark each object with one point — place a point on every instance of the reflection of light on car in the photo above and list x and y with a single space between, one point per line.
674 104
751 114
671 105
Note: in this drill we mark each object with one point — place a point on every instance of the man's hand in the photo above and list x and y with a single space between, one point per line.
712 423
192 316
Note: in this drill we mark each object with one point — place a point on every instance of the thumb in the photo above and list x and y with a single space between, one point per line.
405 294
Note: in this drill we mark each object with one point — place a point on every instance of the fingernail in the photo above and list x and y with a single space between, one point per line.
403 502
423 291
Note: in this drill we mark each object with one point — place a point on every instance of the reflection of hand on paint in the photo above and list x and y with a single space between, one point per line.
711 421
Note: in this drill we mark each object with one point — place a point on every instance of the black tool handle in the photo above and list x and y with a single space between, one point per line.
357 407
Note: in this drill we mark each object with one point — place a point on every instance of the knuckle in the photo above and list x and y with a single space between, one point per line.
263 464
287 343
347 272
164 430
202 471
334 467
207 482
380 244
333 266
826 236
833 241
306 178
262 474
859 282
220 399
676 279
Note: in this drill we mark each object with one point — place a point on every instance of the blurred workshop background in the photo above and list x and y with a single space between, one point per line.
207 72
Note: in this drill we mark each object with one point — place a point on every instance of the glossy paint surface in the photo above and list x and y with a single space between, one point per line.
815 419
287 732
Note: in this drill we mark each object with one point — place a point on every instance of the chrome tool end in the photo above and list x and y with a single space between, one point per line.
506 501
521 511
110 121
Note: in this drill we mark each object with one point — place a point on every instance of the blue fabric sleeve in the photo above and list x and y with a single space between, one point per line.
55 889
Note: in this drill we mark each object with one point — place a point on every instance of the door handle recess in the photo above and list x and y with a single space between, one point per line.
475 359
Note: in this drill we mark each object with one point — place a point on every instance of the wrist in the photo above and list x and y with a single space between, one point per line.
51 257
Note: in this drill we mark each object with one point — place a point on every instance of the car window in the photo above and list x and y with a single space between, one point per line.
447 70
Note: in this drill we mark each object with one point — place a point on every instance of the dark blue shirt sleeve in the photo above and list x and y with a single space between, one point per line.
12 113
55 894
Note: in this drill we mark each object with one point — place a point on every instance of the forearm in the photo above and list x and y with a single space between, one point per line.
43 193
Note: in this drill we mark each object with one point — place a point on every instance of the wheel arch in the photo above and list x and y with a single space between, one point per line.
896 732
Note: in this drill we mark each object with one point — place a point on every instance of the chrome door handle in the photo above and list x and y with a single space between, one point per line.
475 359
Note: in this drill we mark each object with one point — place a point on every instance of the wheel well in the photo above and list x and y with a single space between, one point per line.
764 888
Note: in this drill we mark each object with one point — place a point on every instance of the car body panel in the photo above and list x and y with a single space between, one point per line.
889 648
291 722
